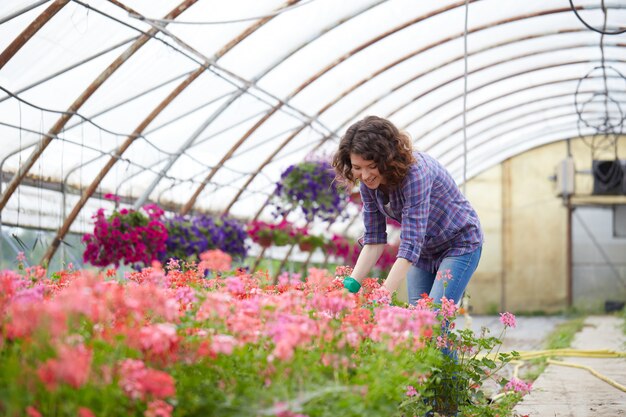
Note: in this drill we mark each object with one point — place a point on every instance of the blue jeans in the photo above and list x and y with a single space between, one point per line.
461 268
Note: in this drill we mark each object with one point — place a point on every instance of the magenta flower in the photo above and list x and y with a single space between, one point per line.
112 197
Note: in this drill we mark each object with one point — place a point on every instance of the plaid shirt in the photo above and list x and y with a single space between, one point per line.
437 220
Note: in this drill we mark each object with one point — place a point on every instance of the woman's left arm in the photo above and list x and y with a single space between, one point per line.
397 273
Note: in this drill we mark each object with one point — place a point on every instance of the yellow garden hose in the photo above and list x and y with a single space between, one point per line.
593 372
602 353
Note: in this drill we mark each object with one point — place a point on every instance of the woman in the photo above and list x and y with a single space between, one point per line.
440 238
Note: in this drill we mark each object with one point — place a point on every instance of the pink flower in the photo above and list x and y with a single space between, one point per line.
32 412
223 343
507 319
158 339
518 385
71 367
411 391
343 271
444 275
139 382
448 308
85 412
381 296
215 260
159 408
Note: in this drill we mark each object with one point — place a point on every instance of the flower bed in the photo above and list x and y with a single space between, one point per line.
162 342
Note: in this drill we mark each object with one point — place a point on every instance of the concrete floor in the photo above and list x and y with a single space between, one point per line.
571 392
562 391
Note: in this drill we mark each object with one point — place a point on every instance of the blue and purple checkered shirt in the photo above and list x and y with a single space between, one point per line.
437 220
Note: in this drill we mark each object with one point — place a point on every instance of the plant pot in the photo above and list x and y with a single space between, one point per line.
265 241
306 247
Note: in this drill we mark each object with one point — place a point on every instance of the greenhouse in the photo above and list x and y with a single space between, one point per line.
308 208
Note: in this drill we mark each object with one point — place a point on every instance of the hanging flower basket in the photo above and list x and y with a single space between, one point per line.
267 234
265 240
309 187
126 236
309 243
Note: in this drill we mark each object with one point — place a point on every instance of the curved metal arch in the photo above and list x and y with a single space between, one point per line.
478 143
187 207
504 110
67 115
494 81
511 41
305 84
21 39
516 116
506 94
144 124
499 156
71 67
364 81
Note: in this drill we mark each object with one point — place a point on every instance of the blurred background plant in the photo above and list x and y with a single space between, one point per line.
310 187
191 235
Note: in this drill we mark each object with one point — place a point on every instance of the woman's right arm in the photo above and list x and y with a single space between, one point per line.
367 259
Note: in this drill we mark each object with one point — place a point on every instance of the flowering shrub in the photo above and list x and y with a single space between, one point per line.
126 236
468 361
189 236
165 342
310 187
267 234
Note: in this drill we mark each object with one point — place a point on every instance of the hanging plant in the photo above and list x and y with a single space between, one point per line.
267 234
308 242
310 187
188 237
126 236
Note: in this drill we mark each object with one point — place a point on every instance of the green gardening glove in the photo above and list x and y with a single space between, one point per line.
351 284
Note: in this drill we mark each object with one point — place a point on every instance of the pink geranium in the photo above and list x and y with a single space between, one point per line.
507 319
72 367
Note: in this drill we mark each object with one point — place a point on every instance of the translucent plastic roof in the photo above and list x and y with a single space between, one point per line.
201 104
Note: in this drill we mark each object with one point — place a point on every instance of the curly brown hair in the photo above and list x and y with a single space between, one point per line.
375 139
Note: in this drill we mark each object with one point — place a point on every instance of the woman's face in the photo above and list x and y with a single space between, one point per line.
366 171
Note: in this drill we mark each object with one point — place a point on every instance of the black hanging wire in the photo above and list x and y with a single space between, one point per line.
602 31
63 192
64 185
38 237
608 174
19 240
608 129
